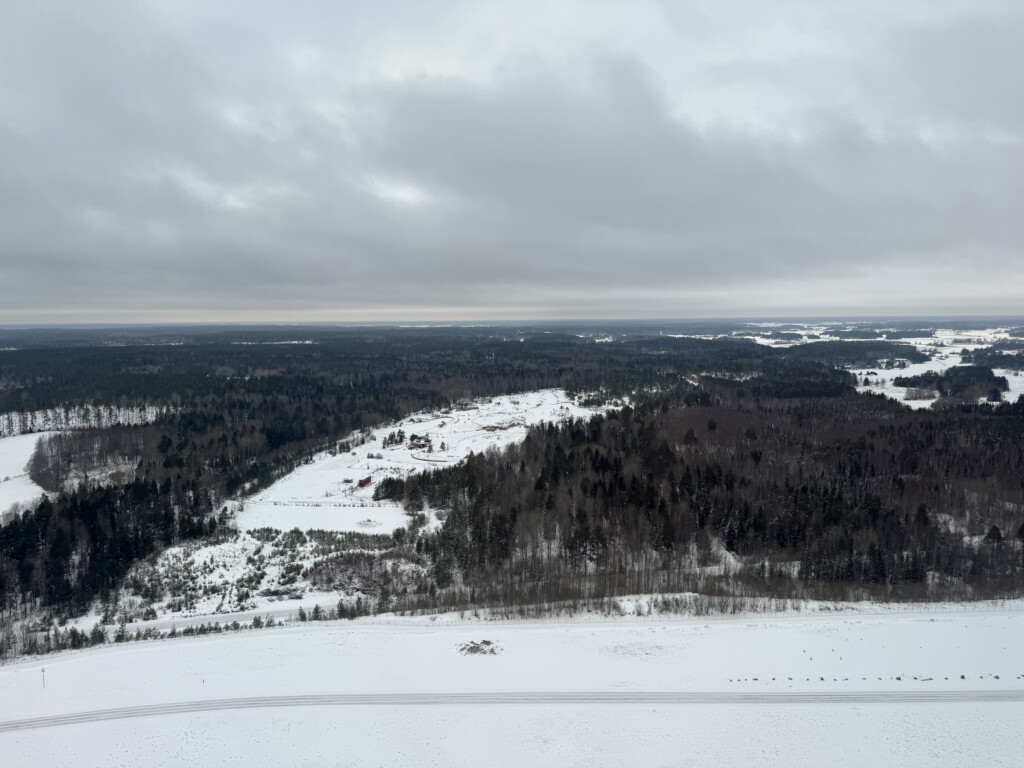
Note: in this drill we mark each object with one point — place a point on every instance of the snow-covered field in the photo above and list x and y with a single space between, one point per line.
325 494
881 380
801 690
15 485
944 348
901 687
1016 381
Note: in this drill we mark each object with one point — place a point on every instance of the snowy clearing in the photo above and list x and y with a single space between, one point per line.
15 485
1016 381
808 690
944 348
882 379
325 494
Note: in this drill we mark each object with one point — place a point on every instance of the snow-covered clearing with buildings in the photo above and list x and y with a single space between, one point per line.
326 493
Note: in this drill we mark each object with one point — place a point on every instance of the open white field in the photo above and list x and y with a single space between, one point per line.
325 494
945 348
15 485
799 690
1016 381
882 380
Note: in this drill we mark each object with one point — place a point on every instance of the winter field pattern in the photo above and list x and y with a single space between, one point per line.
326 494
802 689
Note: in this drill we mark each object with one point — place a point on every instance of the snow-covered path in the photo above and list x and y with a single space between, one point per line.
505 699
797 690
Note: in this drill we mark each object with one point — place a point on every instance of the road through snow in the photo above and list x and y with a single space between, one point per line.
504 699
795 689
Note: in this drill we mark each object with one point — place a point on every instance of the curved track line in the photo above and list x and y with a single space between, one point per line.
460 699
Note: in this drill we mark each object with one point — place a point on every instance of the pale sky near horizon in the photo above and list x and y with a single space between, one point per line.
266 161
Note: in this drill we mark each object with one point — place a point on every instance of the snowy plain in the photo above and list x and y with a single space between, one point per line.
799 689
944 346
16 487
325 493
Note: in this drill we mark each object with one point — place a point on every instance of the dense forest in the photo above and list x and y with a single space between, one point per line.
765 454
851 496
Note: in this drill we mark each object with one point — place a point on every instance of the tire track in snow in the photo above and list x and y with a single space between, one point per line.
479 699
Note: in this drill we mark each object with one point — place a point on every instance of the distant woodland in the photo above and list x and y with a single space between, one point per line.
731 452
843 497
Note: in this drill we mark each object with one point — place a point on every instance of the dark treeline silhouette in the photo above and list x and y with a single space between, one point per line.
67 551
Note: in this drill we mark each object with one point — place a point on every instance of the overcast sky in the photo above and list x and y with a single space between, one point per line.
210 161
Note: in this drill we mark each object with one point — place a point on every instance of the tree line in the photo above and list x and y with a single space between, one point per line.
834 496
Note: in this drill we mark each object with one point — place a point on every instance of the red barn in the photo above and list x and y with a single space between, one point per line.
365 482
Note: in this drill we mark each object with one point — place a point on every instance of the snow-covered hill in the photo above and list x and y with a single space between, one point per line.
326 493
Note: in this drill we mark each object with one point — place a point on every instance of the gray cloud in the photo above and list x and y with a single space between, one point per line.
243 162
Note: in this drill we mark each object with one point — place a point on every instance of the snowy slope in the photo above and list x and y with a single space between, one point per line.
325 494
862 672
15 485
1016 381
